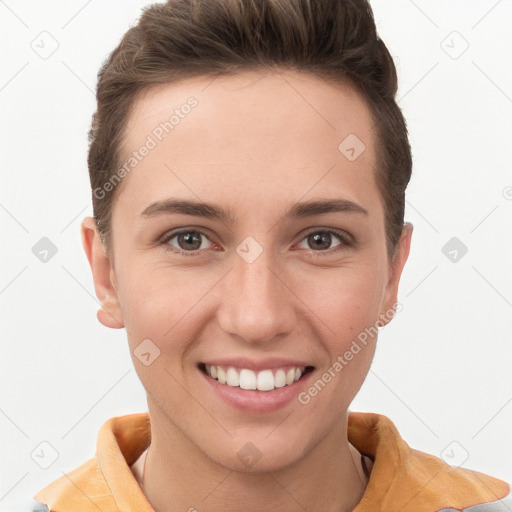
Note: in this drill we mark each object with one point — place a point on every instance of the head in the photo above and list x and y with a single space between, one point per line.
252 108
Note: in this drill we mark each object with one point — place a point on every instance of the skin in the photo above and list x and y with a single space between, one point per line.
256 143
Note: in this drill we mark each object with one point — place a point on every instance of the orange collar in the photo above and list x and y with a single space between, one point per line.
401 479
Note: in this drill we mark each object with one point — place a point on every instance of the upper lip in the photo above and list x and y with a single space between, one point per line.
251 364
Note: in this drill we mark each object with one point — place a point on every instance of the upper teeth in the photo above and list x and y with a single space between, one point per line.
265 380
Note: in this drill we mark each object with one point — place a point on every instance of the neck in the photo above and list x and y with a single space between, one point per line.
177 476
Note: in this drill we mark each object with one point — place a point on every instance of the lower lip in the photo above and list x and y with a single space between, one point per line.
257 401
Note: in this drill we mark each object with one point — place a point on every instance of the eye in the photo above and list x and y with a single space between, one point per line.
322 239
188 240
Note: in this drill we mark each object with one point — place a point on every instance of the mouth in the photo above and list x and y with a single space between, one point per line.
263 380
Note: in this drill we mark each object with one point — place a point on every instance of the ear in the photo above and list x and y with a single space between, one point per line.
109 314
396 266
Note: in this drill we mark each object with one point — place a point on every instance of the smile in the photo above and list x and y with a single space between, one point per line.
264 380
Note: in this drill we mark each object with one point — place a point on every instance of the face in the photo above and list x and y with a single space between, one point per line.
257 281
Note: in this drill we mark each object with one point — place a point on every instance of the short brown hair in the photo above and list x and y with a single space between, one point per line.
332 39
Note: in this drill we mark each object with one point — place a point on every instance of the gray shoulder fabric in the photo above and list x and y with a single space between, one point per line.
35 506
502 505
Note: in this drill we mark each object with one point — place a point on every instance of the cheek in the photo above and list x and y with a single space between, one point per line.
348 310
347 299
158 321
349 307
152 306
166 306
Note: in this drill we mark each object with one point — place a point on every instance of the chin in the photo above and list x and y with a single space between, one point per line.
258 454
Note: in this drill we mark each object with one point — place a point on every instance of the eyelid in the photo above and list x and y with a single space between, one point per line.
347 240
342 234
169 235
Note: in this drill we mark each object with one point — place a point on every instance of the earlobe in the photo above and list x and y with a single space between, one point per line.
110 314
396 267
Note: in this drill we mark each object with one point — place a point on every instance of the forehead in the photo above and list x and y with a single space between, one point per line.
253 135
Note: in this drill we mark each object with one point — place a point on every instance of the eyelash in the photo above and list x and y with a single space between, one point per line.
344 238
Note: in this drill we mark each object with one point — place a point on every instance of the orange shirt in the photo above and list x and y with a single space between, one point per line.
402 478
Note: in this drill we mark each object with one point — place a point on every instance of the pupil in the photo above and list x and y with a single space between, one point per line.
318 238
190 238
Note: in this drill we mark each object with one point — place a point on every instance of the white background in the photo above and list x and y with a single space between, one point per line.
442 369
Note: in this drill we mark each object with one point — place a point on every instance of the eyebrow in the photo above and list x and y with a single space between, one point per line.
216 212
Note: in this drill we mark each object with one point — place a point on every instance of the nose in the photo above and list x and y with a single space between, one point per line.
257 302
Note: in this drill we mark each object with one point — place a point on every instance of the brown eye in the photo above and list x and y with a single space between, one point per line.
321 240
187 241
190 240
